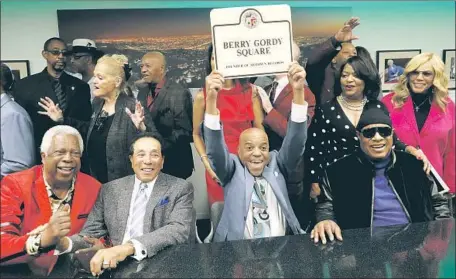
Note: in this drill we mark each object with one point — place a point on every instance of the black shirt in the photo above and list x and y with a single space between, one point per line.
97 149
422 105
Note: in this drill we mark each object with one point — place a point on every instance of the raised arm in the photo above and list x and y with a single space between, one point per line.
216 148
293 145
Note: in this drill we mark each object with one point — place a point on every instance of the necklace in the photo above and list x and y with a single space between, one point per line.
351 106
417 107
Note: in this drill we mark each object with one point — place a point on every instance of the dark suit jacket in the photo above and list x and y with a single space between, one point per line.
320 73
120 135
29 90
172 112
276 123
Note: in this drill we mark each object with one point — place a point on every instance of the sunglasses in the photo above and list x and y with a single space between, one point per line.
57 52
382 131
77 57
417 73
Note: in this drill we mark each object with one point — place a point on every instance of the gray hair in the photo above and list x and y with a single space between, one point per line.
59 130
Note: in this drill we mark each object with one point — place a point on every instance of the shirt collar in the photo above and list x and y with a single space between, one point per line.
150 185
282 80
51 193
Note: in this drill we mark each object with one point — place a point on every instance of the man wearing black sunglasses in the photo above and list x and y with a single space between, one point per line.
377 185
70 93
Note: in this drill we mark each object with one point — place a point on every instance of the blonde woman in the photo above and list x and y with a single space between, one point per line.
115 121
423 113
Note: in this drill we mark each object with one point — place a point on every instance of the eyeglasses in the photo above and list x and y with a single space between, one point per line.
371 132
99 123
417 73
57 52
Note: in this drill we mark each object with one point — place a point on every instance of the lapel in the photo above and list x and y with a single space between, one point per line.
161 187
269 175
68 87
142 96
409 115
283 94
44 86
435 113
125 193
78 201
40 196
97 109
249 180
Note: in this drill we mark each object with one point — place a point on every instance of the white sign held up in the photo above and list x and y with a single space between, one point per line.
252 41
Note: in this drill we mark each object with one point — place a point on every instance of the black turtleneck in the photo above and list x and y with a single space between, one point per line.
423 102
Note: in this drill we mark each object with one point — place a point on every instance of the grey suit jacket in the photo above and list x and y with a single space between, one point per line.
238 182
17 144
164 225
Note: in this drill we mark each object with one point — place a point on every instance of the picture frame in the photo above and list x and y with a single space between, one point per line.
449 59
20 68
391 64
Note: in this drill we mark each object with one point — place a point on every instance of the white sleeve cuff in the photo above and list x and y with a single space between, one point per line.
212 121
140 250
298 112
70 247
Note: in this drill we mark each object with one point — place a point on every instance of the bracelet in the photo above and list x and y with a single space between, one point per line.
33 245
203 156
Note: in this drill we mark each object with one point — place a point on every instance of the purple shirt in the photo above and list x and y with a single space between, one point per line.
387 208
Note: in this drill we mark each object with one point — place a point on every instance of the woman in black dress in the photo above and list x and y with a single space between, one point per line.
332 134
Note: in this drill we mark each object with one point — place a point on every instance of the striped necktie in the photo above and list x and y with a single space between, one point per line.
139 209
61 97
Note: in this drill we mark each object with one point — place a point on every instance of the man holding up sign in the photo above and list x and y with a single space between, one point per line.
254 181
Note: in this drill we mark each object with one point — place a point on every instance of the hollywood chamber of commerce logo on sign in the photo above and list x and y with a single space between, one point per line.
251 19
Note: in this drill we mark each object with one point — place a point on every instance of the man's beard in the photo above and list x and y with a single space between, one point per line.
59 68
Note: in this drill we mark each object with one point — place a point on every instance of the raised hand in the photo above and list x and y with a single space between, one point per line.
345 33
296 77
58 227
51 109
265 102
138 117
214 82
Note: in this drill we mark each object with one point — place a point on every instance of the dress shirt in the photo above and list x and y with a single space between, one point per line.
282 82
140 250
298 115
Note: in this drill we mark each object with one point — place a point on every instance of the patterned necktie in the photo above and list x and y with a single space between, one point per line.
139 209
272 91
60 94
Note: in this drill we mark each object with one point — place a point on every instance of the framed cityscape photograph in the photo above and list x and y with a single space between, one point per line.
20 68
449 60
391 64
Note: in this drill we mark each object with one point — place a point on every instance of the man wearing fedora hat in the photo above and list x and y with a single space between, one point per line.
84 57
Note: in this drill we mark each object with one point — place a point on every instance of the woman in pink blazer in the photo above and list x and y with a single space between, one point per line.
423 114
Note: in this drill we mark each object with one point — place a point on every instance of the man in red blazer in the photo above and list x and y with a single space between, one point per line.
276 100
42 204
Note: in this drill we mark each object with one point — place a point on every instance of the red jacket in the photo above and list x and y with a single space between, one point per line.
277 118
25 205
436 138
